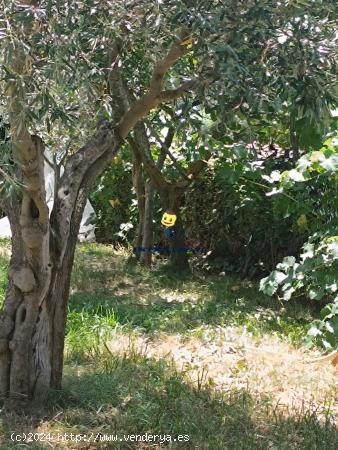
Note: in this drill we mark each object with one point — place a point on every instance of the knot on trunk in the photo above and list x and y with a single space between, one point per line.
12 345
32 236
24 279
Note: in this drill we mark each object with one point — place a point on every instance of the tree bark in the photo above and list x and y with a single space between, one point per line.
139 186
34 315
24 354
170 198
147 232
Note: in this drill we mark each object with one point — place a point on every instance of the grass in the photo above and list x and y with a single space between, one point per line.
127 330
4 248
137 395
159 301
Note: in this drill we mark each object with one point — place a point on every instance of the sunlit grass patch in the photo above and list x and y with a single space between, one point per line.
92 248
5 246
86 331
158 300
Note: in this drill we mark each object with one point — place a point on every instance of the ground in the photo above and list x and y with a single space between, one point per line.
205 357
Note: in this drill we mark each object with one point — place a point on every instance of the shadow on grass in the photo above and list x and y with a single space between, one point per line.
161 300
138 395
160 314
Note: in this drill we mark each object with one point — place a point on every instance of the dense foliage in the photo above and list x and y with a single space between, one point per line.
312 195
112 199
230 213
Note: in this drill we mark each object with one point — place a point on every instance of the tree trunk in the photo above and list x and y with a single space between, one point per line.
26 326
178 251
170 198
138 183
33 319
147 241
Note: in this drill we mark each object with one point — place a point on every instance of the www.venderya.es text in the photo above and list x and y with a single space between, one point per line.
97 437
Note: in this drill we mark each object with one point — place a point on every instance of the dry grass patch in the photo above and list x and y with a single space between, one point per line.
271 368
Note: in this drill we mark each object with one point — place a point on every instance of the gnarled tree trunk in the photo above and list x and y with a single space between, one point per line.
34 315
24 359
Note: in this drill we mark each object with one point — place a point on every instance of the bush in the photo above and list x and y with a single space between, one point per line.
312 185
228 212
112 199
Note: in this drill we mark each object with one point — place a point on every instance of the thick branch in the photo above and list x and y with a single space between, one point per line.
154 96
119 96
101 147
140 144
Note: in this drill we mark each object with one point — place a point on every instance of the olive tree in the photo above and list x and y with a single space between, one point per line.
48 58
68 82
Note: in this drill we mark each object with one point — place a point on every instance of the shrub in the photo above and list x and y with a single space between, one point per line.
112 199
229 213
311 193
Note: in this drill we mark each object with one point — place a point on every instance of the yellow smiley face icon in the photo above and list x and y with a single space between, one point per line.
168 219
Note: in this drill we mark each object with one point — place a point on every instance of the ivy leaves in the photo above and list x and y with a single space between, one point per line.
315 275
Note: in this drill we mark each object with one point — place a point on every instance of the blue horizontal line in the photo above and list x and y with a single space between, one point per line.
168 250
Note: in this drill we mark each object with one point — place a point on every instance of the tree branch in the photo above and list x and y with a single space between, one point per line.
166 149
140 144
154 96
173 94
117 90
